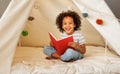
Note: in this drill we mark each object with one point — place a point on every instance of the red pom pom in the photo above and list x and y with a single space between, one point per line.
99 21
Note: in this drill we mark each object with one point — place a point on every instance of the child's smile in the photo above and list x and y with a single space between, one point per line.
68 25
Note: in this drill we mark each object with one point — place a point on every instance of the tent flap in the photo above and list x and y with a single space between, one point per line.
11 24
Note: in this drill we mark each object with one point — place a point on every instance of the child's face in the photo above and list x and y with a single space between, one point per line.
68 25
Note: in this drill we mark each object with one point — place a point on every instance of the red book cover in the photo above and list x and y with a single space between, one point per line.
62 44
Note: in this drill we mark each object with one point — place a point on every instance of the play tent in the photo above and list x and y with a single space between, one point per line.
15 19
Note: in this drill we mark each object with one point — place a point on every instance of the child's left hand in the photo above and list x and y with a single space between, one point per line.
73 44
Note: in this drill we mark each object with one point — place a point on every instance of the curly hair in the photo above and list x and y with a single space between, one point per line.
73 14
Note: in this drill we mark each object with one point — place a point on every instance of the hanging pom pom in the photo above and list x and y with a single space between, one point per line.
24 33
85 15
31 18
99 21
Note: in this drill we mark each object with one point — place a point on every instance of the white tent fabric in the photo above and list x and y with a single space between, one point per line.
11 24
110 29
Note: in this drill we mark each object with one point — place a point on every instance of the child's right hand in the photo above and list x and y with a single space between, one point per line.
51 44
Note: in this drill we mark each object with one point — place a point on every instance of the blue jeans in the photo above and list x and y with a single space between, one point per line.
69 54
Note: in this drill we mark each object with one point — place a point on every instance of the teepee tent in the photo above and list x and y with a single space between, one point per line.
13 21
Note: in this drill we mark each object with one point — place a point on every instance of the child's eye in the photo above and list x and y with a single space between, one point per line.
70 23
65 23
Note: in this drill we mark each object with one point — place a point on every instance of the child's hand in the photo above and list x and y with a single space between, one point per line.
73 44
51 44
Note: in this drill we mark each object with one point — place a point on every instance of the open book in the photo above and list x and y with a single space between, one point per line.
62 44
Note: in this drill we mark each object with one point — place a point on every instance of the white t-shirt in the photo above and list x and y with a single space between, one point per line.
77 36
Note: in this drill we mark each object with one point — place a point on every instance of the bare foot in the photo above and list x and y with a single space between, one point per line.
56 55
50 58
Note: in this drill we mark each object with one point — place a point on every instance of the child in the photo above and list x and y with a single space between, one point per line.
68 23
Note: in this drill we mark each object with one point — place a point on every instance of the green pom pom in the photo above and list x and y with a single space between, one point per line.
24 33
